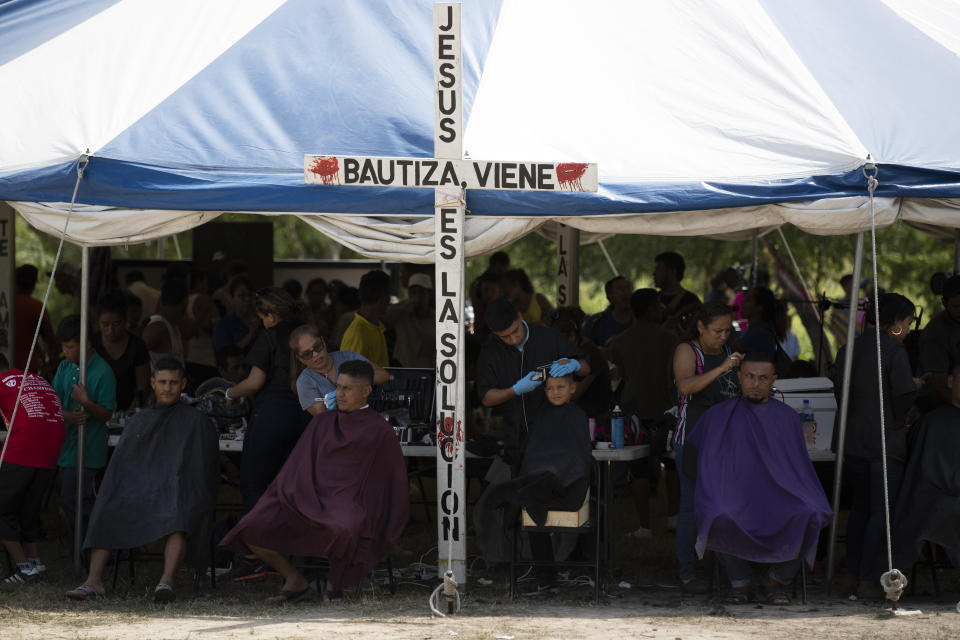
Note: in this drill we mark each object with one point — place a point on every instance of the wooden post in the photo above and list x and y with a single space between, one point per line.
449 290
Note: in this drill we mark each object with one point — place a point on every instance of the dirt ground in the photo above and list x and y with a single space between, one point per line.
40 611
651 608
629 619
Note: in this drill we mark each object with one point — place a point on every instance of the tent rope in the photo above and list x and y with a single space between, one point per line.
893 581
796 269
81 167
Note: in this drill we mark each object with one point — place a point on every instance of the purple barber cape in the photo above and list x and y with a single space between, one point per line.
757 495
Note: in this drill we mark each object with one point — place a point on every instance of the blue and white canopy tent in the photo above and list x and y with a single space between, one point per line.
705 118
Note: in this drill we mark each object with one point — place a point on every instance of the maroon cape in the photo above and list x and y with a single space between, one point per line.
341 495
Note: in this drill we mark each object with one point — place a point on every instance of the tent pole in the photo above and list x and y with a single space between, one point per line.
844 405
568 266
8 291
81 441
756 257
606 255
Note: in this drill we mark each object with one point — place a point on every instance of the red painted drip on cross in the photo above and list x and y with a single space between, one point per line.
328 168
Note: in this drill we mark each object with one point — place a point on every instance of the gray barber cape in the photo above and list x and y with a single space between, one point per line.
162 478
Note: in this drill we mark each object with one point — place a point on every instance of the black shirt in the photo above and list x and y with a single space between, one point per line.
271 354
899 391
124 367
499 366
940 345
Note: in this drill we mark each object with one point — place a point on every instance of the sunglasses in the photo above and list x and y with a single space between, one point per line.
318 347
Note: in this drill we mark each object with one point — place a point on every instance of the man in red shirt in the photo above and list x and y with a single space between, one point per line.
29 463
27 313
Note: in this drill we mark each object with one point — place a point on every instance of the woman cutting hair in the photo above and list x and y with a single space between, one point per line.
317 382
863 455
703 368
277 419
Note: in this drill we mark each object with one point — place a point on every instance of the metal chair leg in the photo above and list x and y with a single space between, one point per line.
116 567
598 559
513 562
933 568
803 581
392 585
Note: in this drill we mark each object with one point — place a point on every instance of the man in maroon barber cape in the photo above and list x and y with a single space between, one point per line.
341 495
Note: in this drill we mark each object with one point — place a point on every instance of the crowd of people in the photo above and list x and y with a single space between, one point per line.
299 363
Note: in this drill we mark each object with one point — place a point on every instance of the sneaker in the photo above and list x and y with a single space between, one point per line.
20 576
38 565
642 532
247 571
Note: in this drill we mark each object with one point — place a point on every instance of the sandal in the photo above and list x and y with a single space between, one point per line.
333 595
164 593
778 597
286 596
737 595
83 592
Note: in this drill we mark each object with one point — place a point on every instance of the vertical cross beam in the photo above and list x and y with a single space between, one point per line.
449 288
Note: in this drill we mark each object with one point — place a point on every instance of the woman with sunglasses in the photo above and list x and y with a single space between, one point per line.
277 419
319 368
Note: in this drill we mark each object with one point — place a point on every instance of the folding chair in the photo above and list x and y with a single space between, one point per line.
584 521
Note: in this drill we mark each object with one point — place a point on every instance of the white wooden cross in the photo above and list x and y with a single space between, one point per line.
450 176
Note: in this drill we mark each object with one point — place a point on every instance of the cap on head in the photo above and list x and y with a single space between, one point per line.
420 280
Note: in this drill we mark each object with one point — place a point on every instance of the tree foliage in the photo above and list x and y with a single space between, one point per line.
907 258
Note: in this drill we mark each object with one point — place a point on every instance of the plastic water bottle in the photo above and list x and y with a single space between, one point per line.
616 427
809 420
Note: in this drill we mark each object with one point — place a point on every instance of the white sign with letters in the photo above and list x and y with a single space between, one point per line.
453 173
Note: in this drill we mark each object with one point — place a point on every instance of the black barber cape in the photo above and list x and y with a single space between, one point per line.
928 507
554 474
162 478
500 366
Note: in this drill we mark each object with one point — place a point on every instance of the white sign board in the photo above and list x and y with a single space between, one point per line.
453 173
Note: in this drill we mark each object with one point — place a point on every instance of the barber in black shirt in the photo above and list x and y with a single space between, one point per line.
507 364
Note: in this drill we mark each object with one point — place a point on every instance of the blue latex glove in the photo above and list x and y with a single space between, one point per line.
564 367
330 400
526 384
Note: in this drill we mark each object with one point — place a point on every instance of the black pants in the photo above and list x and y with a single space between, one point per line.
273 431
21 498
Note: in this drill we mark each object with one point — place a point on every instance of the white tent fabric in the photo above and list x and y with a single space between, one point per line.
405 239
410 239
705 117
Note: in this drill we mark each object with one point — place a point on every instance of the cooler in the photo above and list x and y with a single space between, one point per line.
819 391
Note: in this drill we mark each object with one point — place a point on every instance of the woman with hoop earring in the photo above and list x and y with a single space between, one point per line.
864 462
